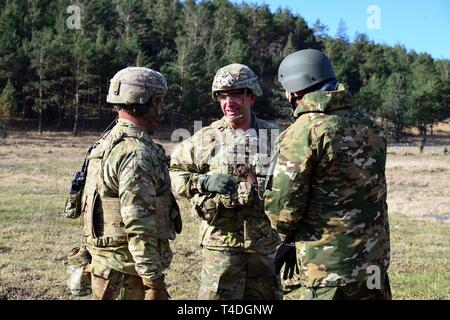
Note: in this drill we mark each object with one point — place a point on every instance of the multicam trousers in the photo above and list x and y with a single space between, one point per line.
231 275
117 286
354 291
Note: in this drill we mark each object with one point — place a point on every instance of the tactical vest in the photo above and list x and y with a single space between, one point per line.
249 195
103 225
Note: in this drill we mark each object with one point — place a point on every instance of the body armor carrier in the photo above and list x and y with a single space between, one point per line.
103 224
248 198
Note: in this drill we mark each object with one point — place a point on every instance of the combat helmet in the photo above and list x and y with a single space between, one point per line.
135 86
235 76
303 69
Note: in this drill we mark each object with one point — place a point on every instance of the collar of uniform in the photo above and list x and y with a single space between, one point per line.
130 127
224 125
324 101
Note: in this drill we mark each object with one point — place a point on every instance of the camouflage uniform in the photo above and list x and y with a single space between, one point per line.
235 234
329 193
126 207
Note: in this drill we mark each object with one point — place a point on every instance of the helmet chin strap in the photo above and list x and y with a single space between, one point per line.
234 118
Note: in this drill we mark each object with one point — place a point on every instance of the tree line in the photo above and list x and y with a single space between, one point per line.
57 75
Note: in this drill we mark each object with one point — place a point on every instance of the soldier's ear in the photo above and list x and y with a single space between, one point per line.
251 98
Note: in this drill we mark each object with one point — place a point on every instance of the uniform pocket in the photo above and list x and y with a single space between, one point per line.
105 282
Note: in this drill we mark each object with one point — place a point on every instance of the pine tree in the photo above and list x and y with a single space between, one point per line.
8 101
283 26
320 30
13 62
341 32
290 47
63 64
426 109
40 51
304 36
397 59
196 22
187 70
164 17
236 52
396 103
260 28
61 74
443 69
369 98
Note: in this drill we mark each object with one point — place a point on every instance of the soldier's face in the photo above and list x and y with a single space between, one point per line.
153 115
236 104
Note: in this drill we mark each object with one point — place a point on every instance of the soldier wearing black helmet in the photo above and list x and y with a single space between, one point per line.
327 197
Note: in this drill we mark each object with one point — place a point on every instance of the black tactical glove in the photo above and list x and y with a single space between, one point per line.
286 255
220 183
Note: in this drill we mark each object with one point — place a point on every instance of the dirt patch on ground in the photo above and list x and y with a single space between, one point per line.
15 293
5 249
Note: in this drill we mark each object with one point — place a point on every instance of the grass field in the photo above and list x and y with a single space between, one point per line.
35 172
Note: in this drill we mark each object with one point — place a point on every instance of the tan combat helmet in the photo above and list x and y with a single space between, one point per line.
135 85
235 76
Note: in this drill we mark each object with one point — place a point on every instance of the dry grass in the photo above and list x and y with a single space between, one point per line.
418 184
35 172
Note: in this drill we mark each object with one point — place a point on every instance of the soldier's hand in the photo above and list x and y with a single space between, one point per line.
156 289
286 255
220 183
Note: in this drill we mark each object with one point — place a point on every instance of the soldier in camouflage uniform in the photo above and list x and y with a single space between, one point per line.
127 206
221 169
328 193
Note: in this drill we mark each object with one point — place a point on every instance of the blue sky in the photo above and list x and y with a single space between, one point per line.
421 26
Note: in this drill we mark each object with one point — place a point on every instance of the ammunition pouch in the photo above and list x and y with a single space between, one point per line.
209 209
78 275
250 189
210 206
206 206
246 196
229 201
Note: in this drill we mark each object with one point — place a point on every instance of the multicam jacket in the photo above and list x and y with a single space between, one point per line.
229 222
329 191
126 204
